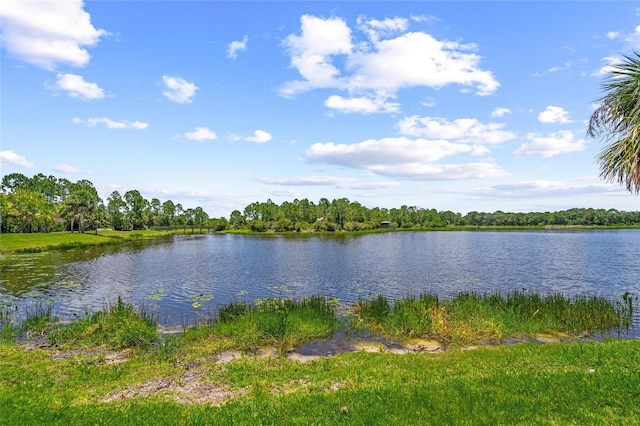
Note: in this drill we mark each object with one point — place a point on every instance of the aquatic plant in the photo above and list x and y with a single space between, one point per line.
471 318
120 325
281 322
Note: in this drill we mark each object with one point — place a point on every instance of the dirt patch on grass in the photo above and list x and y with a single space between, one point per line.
188 388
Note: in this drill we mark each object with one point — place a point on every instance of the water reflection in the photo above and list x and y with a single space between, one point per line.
185 276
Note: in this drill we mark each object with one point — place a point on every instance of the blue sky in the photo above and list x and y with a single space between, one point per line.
449 105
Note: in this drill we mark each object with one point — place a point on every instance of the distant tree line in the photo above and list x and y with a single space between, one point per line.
46 203
344 215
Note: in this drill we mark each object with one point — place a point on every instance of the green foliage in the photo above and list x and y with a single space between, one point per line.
276 321
470 318
119 326
618 118
376 311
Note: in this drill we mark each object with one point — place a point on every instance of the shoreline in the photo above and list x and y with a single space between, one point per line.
21 243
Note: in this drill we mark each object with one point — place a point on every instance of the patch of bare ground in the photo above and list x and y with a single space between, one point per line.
187 388
225 357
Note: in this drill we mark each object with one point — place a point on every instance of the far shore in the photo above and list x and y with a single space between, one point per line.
38 242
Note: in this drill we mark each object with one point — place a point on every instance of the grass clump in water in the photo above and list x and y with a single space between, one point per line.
119 326
472 318
281 322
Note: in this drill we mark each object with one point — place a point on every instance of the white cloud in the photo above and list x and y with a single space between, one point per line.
376 29
179 90
311 53
554 114
112 124
612 35
561 142
362 105
500 112
77 87
335 181
418 171
378 68
562 67
467 130
405 157
418 59
11 158
48 33
201 134
259 136
237 46
66 169
633 38
610 61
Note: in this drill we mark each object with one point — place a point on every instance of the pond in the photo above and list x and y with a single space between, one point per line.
185 277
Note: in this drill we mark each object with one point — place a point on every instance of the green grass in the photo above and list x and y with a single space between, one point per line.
469 318
526 383
119 326
112 368
284 323
20 243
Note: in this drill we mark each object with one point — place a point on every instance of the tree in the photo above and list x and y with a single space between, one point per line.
168 212
617 119
136 207
116 210
80 204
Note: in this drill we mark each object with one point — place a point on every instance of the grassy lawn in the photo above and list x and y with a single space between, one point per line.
112 367
526 383
62 240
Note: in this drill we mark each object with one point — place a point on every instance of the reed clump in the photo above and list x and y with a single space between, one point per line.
469 317
119 326
284 323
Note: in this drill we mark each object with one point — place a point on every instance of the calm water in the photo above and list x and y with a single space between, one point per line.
187 276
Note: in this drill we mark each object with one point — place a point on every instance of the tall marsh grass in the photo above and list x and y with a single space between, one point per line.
470 318
281 322
120 325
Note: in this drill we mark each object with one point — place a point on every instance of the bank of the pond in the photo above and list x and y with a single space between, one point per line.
113 367
526 383
37 242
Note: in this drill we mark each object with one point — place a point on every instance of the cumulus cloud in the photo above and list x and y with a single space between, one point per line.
334 181
467 130
361 105
405 157
77 87
554 114
9 157
376 29
201 134
48 33
112 124
500 112
312 51
327 55
259 136
561 142
237 46
66 169
177 89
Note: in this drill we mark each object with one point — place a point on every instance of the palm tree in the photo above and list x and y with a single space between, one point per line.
618 120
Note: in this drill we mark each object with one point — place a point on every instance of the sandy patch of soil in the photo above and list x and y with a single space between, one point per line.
188 388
